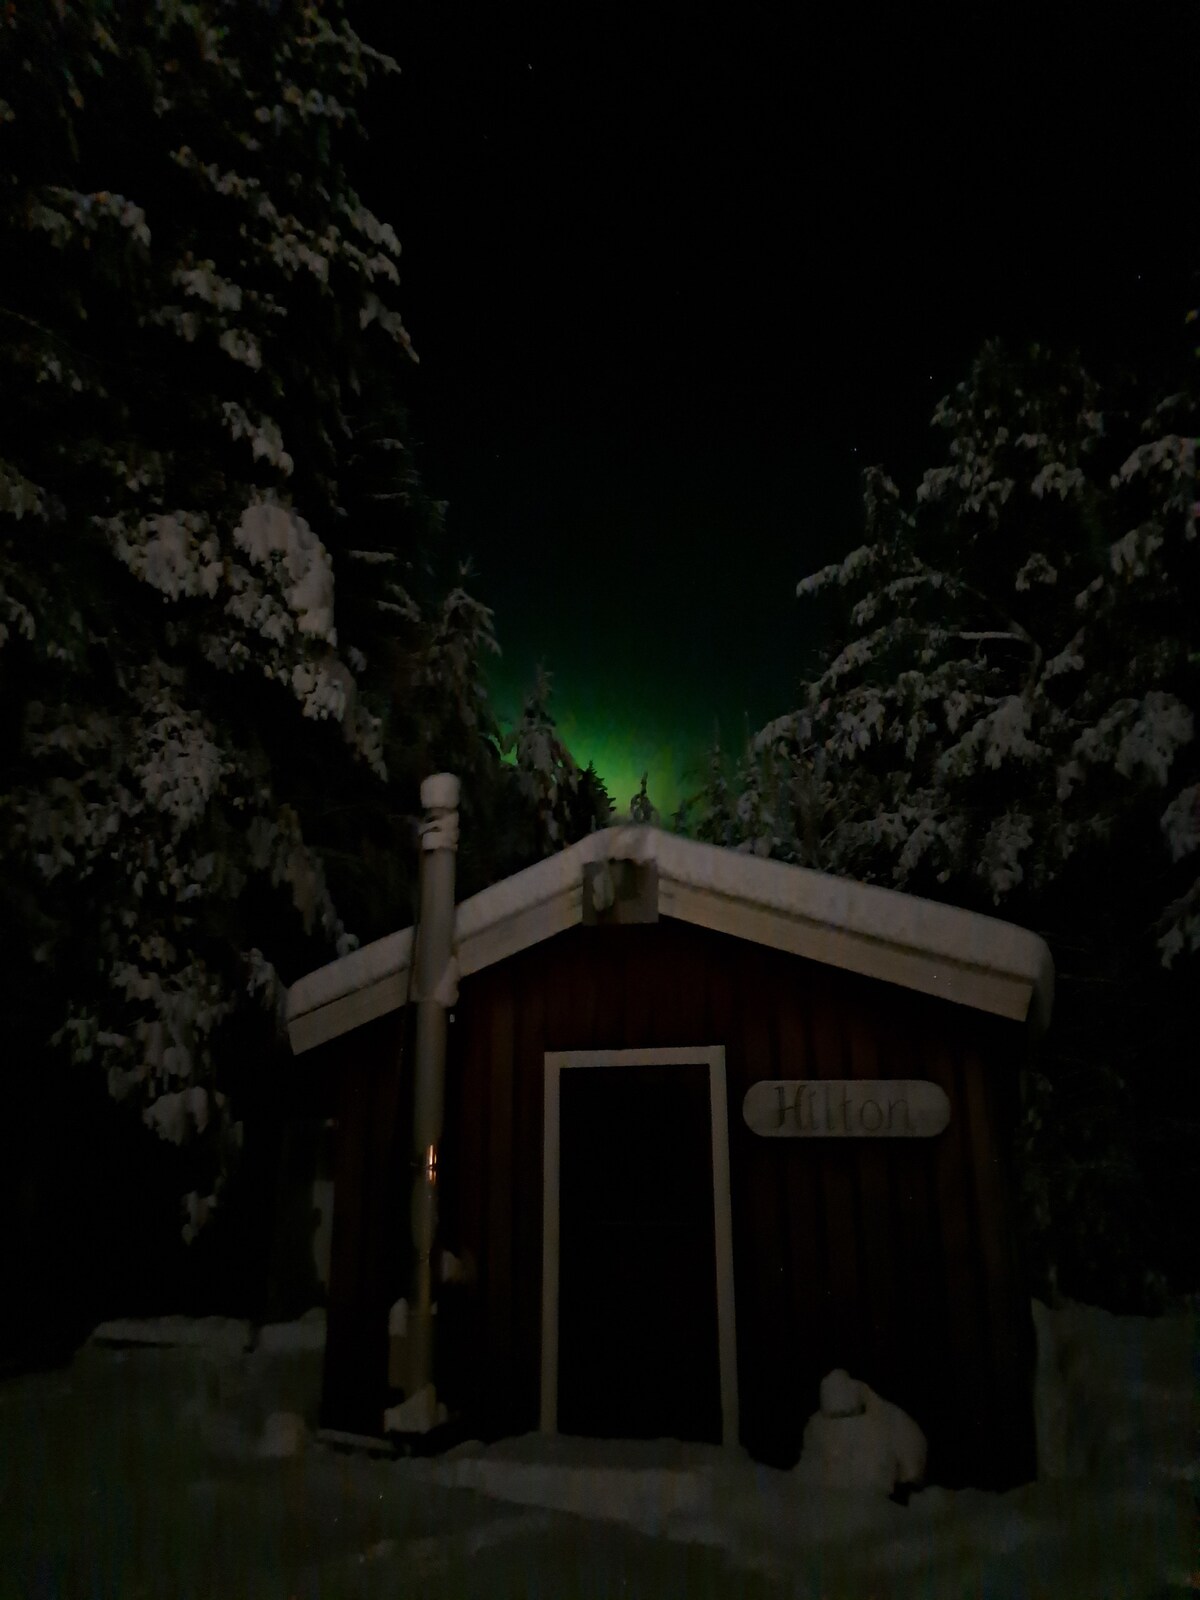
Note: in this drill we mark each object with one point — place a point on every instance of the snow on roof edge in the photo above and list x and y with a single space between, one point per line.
380 959
966 938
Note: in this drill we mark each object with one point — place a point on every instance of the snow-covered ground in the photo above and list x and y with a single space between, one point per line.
174 1464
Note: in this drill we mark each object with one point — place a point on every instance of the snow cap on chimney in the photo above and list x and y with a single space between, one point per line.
439 792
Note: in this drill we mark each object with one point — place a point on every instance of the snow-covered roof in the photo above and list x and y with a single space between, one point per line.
962 956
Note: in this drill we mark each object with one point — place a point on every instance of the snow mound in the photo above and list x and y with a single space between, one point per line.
284 1337
1107 1397
225 1335
648 1499
227 1440
284 1434
420 1413
859 1441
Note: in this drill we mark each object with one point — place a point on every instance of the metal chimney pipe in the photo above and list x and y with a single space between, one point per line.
435 976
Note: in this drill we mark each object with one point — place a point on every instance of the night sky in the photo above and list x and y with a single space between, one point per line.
674 285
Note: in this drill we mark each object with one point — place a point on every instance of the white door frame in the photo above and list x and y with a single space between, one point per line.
713 1057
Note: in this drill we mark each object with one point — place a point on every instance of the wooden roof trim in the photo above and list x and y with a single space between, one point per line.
958 955
1001 993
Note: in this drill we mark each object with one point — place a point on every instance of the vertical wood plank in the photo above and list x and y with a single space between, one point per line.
496 1270
921 1332
863 1023
366 1224
772 1378
550 975
675 1018
711 991
966 1429
1005 1307
638 983
466 1184
844 1345
804 1261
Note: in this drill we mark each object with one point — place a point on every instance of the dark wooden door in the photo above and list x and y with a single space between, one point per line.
637 1336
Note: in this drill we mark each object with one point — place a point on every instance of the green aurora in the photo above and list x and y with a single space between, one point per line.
671 742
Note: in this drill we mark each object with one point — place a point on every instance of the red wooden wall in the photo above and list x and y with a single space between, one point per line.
896 1259
369 1088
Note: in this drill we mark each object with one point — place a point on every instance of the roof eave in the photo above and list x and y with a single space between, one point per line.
957 955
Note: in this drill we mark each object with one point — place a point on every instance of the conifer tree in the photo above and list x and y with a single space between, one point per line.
593 806
546 772
216 626
1008 723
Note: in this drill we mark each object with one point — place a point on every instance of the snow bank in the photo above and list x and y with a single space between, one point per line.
307 1334
173 1435
1112 1398
570 1478
1113 1513
224 1335
284 1434
759 1519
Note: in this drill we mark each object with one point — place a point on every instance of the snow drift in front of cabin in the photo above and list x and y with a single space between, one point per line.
179 1457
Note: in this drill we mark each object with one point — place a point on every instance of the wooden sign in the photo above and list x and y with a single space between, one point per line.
845 1108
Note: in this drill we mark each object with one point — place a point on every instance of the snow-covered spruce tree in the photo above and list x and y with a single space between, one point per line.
442 719
546 774
594 807
1009 723
197 308
710 813
641 808
984 679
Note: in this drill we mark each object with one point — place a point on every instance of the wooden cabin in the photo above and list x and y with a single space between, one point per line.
714 1126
